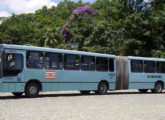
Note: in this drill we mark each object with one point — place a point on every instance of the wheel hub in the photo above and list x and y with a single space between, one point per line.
33 90
103 88
158 88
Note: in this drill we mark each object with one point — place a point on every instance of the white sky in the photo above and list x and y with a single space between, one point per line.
22 6
7 7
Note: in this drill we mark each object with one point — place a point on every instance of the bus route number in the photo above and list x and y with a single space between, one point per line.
154 76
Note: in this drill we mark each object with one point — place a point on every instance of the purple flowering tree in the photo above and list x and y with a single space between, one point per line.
80 12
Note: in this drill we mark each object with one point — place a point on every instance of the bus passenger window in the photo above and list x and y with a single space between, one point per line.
34 59
161 67
13 64
71 62
53 61
87 63
136 66
101 64
149 67
111 65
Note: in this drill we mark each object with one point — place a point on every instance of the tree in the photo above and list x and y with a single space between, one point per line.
121 27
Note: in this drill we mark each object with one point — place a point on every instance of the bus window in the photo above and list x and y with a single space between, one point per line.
13 64
87 63
71 62
34 59
149 66
136 66
101 64
53 61
111 65
161 67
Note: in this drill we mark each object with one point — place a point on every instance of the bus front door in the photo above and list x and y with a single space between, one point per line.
13 72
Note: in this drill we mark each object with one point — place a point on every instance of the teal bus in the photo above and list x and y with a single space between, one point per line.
29 69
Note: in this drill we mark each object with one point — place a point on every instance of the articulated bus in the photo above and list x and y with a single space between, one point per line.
30 69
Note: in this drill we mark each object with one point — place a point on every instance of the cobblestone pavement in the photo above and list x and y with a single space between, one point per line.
118 105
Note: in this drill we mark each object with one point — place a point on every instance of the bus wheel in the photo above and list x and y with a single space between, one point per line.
86 92
158 88
102 88
32 90
143 90
17 94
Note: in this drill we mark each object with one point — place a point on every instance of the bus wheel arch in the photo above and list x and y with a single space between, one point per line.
32 88
35 81
159 86
103 87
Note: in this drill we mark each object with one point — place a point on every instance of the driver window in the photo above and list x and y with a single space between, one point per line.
13 64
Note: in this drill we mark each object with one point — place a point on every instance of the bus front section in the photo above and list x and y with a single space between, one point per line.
11 70
1 62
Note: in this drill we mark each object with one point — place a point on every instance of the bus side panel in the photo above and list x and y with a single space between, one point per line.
69 86
5 87
79 76
60 86
53 84
107 76
141 85
141 80
89 86
34 74
1 88
40 75
50 87
20 87
8 87
79 80
112 86
88 81
13 87
162 77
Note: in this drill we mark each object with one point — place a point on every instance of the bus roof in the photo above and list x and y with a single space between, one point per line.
145 58
34 48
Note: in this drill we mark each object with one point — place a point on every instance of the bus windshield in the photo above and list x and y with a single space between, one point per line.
1 56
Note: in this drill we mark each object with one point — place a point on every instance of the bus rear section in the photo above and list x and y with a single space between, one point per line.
140 73
147 74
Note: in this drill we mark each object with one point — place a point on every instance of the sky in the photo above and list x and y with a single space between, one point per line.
7 7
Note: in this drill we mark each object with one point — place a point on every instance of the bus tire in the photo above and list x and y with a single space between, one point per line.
17 94
32 90
102 88
143 90
158 88
85 92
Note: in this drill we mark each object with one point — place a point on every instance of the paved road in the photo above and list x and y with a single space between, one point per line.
118 105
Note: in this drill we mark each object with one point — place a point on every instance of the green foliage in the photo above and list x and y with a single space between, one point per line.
122 27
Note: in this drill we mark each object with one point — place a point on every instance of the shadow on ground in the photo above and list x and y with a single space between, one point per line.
75 95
